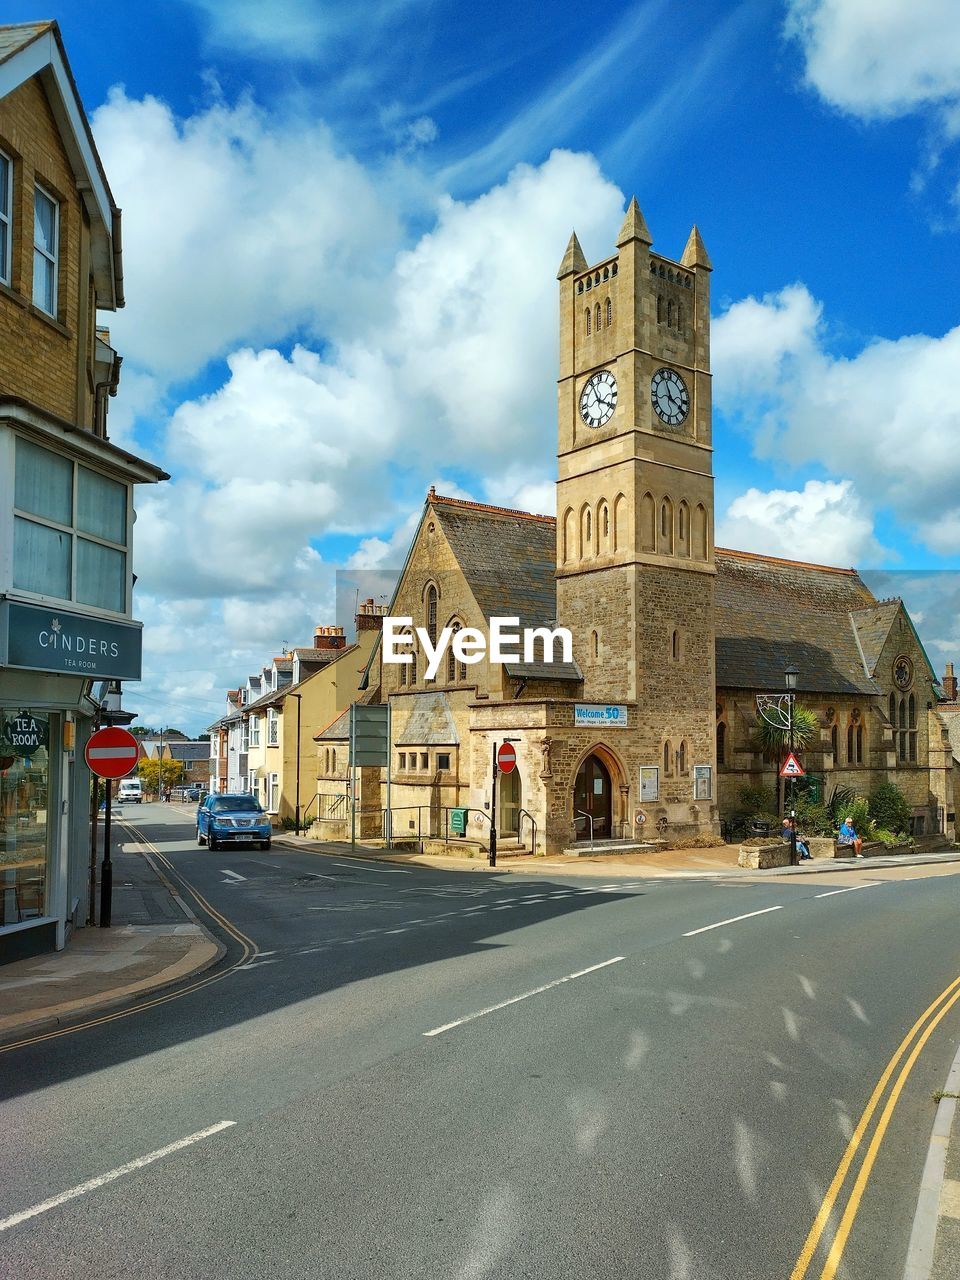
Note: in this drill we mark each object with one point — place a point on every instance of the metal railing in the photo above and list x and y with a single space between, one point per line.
525 813
578 813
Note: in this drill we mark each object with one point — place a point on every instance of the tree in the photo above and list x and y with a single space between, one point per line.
171 775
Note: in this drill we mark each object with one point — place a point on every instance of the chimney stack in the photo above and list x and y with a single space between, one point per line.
370 617
328 638
950 683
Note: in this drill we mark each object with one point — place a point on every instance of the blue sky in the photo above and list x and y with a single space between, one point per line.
341 231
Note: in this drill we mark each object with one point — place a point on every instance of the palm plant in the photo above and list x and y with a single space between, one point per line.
773 742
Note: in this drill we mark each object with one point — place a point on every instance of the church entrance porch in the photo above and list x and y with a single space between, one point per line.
509 801
593 801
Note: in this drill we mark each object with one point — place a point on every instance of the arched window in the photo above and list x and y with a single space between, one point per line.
609 313
659 308
700 547
412 667
595 644
679 318
675 646
432 614
403 672
721 743
892 712
603 527
333 759
606 273
912 732
619 522
647 523
683 530
666 527
670 315
859 744
596 316
606 521
835 744
851 757
667 759
586 320
568 531
451 660
683 756
614 269
912 712
326 760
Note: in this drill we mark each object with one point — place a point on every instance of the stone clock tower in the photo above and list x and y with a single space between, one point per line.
635 568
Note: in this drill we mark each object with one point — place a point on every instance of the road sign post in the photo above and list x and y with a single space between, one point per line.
504 761
110 753
369 746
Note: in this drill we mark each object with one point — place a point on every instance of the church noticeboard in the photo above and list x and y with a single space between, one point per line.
39 638
702 781
649 783
587 715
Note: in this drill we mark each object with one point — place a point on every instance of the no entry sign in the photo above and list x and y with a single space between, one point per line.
506 758
112 753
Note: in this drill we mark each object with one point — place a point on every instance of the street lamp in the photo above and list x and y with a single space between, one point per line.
790 680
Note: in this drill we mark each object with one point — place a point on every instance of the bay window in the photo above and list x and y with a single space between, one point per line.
70 530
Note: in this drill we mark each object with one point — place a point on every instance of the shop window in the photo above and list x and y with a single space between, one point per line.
24 827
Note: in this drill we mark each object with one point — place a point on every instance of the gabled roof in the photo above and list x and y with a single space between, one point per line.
430 724
772 613
188 750
339 729
873 626
509 561
36 49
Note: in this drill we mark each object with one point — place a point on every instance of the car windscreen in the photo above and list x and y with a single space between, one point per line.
235 804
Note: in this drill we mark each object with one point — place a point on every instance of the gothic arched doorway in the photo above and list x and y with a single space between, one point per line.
593 795
509 800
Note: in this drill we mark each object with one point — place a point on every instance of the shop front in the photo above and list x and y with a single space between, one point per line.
50 660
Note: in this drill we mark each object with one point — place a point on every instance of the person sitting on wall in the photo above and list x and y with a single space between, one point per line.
848 836
803 849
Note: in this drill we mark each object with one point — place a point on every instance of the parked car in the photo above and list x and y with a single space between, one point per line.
232 819
195 793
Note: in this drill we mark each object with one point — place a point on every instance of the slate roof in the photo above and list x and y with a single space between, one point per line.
188 750
873 626
773 613
339 729
431 723
509 561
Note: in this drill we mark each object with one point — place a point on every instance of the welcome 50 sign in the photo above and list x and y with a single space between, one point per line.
586 715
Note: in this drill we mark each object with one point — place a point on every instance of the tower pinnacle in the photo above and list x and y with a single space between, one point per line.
695 254
573 259
634 226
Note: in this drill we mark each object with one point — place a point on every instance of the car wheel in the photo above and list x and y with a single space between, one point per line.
264 844
211 844
200 839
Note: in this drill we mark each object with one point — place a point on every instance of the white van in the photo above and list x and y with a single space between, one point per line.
130 791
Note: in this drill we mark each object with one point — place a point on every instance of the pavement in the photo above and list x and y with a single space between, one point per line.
153 942
156 941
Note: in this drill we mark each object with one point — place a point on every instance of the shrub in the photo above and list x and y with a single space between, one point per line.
858 812
813 819
889 807
757 802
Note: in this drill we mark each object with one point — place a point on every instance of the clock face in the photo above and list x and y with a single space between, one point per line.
598 399
670 397
903 672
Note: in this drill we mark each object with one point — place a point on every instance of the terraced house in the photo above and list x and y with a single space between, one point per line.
66 491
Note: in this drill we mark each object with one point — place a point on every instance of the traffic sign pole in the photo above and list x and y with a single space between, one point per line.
106 871
492 859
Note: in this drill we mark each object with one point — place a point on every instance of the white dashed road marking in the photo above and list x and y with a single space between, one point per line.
94 1183
733 920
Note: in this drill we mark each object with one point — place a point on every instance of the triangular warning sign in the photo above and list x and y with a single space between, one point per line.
792 768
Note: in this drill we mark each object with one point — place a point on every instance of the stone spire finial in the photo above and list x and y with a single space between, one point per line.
634 226
573 259
695 254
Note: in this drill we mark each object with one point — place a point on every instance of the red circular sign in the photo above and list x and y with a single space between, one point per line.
112 752
506 758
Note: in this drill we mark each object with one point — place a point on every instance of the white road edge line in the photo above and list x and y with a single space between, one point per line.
482 1013
733 920
94 1183
850 889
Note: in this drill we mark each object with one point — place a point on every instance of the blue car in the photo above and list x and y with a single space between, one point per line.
232 819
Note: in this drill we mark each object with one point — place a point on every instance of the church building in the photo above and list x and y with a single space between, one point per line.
653 724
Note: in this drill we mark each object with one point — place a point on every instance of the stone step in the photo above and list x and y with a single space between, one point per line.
610 846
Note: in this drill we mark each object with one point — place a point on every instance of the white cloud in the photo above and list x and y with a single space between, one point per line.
824 522
237 226
884 416
878 59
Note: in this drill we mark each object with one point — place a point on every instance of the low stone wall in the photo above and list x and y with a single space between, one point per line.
763 856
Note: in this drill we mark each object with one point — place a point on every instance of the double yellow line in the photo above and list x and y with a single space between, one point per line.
249 951
917 1036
